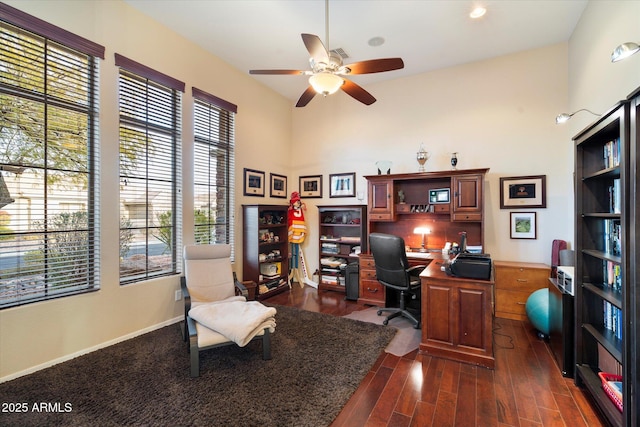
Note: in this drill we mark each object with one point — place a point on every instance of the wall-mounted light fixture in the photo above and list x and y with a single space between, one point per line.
563 117
424 231
624 51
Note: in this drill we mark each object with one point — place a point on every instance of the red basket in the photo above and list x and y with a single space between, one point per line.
614 395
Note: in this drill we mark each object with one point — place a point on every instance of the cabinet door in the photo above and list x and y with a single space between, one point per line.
467 198
381 207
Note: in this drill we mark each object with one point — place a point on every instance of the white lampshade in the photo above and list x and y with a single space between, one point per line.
421 230
326 83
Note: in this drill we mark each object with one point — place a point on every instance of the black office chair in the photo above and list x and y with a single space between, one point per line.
393 271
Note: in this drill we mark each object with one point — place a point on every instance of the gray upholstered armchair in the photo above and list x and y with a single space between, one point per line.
216 312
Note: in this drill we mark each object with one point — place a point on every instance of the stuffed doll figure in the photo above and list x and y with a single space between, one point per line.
295 219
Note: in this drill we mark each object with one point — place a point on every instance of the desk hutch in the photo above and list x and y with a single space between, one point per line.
388 212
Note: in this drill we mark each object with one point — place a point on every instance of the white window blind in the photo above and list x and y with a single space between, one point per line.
214 169
49 217
150 170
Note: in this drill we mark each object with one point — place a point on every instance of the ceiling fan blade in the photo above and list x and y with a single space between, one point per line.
295 72
375 66
316 48
306 96
357 92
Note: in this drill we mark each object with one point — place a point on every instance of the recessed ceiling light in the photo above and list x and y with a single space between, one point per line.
376 41
478 12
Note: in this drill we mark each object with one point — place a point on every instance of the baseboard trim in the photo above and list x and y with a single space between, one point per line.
89 350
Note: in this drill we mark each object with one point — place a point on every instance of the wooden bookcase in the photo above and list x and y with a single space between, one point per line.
606 258
342 230
265 258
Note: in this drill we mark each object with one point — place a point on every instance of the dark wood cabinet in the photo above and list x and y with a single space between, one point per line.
467 197
343 236
381 205
606 281
462 212
457 317
265 248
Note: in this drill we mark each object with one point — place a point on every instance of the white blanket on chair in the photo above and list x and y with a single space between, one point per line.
239 321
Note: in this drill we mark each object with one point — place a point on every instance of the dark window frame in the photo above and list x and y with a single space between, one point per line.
43 281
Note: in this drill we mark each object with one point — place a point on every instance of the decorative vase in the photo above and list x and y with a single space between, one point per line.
422 156
454 160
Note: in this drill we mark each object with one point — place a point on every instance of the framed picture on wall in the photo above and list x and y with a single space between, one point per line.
278 185
253 182
342 185
523 192
523 225
310 186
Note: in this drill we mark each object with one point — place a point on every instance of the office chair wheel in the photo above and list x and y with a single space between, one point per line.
379 312
385 322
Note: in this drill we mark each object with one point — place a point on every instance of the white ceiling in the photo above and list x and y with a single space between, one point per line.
426 34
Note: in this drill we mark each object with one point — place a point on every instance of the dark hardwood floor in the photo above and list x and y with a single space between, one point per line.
525 389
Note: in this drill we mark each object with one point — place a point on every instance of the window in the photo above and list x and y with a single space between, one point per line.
49 217
214 167
150 169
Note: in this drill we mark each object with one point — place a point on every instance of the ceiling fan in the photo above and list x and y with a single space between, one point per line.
327 73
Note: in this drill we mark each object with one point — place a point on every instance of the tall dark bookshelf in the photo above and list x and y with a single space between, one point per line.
606 260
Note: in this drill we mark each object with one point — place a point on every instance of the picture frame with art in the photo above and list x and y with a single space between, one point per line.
278 185
310 186
523 225
523 192
253 182
342 185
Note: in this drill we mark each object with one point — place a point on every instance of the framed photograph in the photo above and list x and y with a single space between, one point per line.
523 192
253 183
342 185
310 186
523 225
278 185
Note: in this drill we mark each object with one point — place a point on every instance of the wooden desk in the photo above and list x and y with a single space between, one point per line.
457 317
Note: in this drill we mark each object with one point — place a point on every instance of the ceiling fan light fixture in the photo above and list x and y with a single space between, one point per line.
478 12
624 51
326 83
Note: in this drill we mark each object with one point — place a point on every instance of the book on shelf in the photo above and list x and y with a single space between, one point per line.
612 237
614 197
612 275
612 319
608 363
611 154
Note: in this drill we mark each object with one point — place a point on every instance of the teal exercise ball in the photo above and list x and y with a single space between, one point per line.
538 310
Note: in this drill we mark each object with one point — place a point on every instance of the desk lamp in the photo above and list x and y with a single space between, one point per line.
424 231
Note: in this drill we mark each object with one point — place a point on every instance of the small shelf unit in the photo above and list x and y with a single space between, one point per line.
342 236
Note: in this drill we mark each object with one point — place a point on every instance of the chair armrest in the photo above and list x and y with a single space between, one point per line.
416 270
191 328
185 295
241 289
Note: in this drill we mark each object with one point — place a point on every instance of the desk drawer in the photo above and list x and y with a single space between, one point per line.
372 292
521 279
515 281
511 304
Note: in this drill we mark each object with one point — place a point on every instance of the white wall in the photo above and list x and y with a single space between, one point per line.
497 113
263 131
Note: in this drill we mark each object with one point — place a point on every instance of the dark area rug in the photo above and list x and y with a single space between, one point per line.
318 362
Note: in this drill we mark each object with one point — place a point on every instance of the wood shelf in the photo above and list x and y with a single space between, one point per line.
606 280
265 242
342 228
